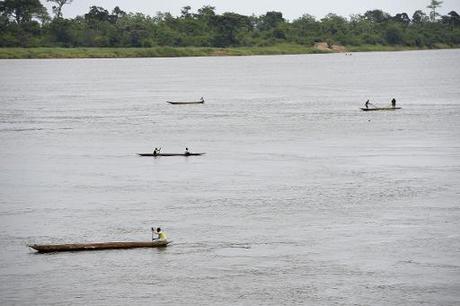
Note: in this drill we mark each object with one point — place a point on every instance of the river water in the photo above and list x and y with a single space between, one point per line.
301 197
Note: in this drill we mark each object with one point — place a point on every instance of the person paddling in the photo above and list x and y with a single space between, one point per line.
202 99
156 151
393 103
160 233
367 104
187 151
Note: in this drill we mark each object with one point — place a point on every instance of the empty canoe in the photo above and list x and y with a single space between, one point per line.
184 102
47 248
380 109
170 154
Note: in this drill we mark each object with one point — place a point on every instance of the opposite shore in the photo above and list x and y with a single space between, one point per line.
282 49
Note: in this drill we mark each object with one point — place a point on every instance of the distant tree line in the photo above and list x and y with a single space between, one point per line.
26 23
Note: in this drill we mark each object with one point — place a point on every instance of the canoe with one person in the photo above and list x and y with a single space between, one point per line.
160 241
47 248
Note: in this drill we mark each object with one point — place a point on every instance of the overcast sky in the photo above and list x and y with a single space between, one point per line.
291 9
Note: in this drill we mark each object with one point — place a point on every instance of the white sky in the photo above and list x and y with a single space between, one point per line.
291 9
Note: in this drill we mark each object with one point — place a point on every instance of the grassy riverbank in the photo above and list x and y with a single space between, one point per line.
24 53
17 53
375 48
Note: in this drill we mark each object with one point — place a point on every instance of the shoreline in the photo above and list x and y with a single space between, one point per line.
154 52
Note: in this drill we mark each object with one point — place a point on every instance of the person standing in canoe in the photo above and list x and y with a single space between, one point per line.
187 151
393 103
367 104
160 233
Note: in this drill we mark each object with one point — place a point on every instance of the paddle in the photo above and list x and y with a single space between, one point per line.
369 103
373 105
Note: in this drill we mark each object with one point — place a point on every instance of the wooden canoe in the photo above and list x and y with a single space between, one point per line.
379 109
185 102
47 248
170 154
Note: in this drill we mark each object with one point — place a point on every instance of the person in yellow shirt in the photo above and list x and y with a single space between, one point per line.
160 233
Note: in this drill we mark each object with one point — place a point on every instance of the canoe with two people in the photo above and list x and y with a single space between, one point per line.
375 108
157 153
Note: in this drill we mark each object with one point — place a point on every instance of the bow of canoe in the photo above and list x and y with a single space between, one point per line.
47 248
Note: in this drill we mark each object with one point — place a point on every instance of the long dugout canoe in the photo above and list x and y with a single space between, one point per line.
185 102
379 109
170 154
47 248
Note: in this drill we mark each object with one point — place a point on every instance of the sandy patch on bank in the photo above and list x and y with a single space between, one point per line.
335 48
219 52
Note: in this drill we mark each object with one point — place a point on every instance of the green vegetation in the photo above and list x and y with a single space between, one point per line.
27 31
